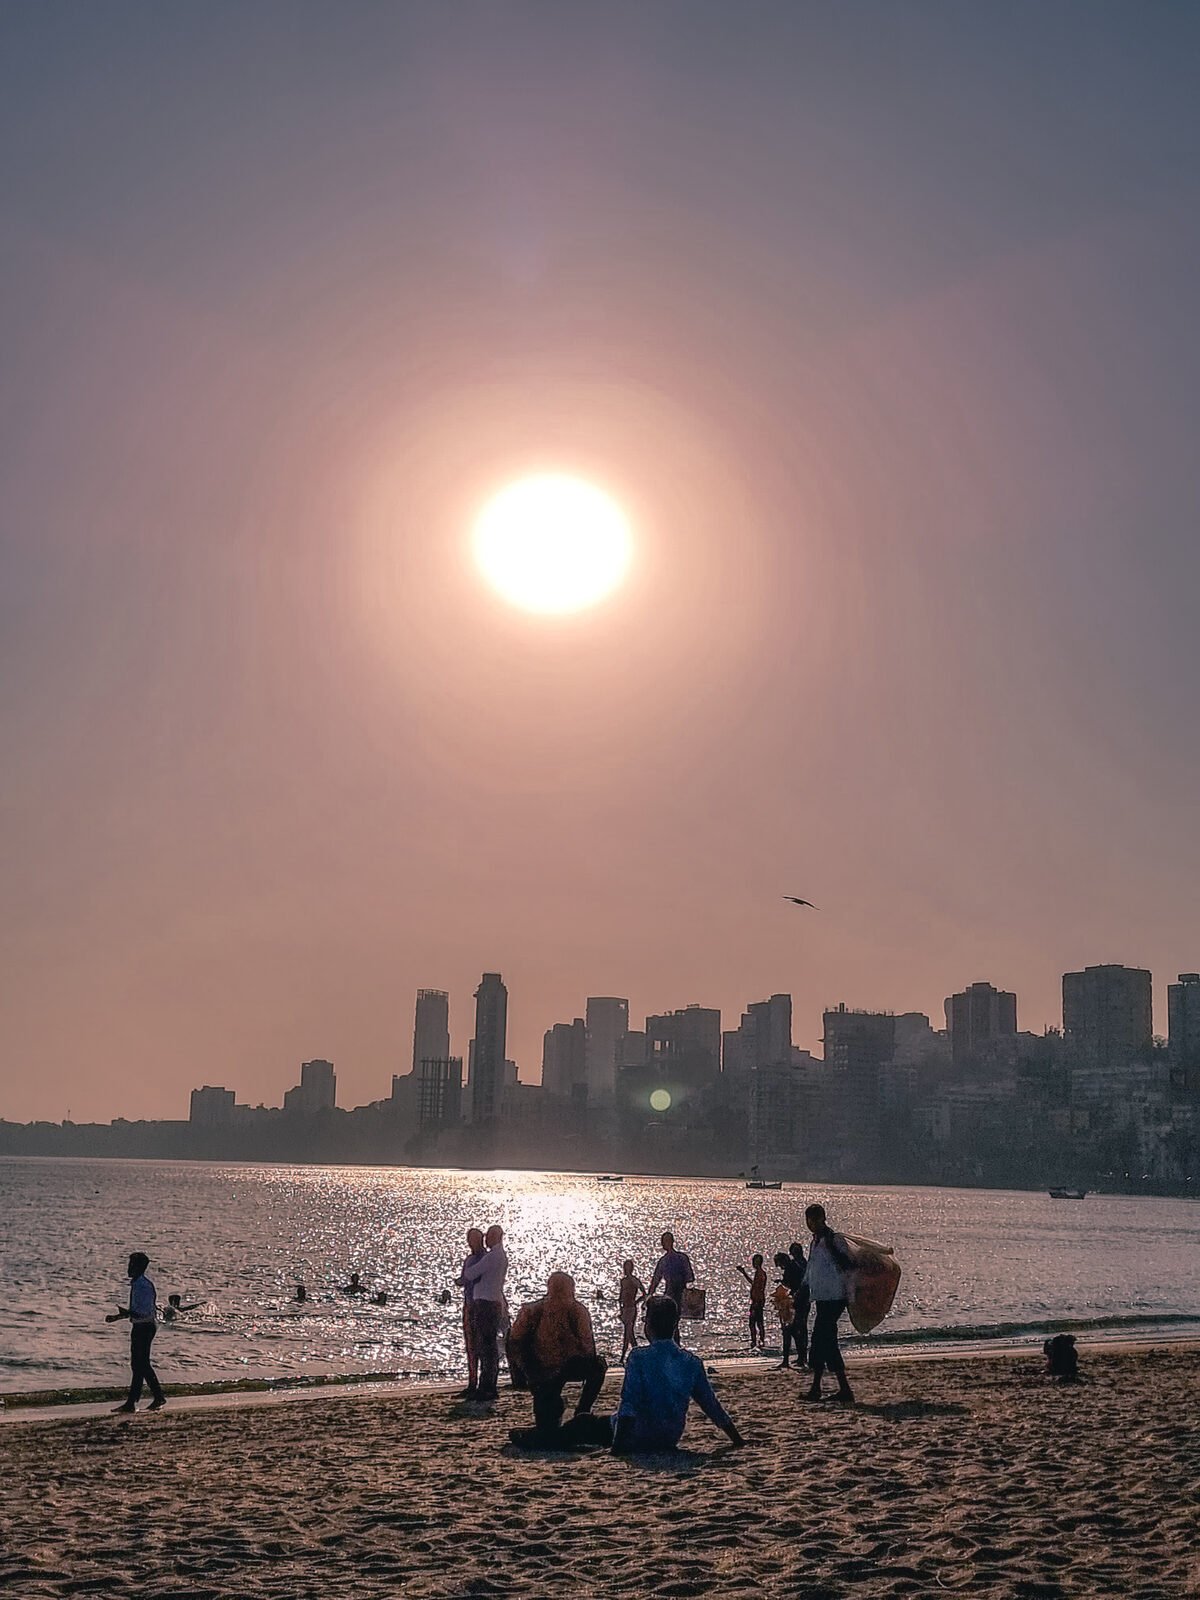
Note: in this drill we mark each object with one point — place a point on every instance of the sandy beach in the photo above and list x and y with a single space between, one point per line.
973 1476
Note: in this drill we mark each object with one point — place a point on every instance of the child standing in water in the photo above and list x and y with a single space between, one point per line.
632 1294
758 1299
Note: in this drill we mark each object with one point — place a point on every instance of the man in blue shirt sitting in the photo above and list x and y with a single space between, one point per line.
660 1381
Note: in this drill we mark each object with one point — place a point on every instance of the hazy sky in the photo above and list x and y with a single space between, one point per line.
881 321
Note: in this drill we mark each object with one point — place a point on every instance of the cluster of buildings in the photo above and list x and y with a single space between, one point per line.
890 1099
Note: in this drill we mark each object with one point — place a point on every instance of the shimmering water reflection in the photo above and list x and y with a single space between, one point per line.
238 1238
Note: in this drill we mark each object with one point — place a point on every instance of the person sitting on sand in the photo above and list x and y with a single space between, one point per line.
355 1286
758 1299
660 1382
175 1306
142 1313
825 1279
630 1296
674 1272
1062 1358
475 1253
554 1344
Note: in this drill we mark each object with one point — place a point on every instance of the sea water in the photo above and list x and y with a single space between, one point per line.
979 1265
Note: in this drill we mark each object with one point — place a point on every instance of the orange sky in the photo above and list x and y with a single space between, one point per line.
895 384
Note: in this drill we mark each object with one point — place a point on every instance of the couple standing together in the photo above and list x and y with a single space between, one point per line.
485 1310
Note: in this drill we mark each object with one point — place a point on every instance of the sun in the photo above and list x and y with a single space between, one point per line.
553 543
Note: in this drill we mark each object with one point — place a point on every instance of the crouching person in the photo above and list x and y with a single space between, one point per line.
661 1379
553 1344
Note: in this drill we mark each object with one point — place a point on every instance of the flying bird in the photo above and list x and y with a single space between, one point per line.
796 901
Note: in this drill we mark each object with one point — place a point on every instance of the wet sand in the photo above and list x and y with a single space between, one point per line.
973 1476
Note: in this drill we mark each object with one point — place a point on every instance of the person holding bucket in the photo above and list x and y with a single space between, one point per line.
674 1272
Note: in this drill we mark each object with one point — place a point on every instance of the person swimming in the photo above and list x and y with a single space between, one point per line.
175 1306
301 1294
355 1286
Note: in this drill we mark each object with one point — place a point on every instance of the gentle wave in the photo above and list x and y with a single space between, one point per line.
959 1332
36 1364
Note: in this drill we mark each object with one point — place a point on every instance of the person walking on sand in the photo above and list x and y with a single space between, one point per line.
758 1299
142 1313
475 1253
825 1279
631 1295
674 1272
486 1277
661 1380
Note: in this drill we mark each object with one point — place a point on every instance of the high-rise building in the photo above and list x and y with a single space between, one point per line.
607 1023
564 1060
488 1047
431 1027
976 1016
1108 1018
316 1091
439 1091
763 1038
686 1044
858 1038
211 1108
1183 1031
859 1045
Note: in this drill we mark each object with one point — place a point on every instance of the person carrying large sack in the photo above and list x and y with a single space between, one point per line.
829 1261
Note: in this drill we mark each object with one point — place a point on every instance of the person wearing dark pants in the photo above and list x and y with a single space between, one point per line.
142 1313
486 1277
825 1278
793 1268
548 1404
553 1343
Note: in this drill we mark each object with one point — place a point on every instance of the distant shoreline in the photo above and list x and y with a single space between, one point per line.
806 1181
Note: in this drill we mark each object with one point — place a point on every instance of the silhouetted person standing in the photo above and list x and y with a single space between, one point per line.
674 1272
486 1276
828 1262
793 1276
476 1254
143 1317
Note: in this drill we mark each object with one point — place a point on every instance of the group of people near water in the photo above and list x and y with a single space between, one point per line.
551 1341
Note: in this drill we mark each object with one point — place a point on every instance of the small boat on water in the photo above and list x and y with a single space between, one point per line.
1068 1194
763 1183
610 1178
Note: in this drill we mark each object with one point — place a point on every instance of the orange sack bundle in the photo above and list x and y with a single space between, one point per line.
872 1282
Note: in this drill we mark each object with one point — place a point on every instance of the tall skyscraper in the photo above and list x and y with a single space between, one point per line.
1183 1031
1108 1018
316 1091
439 1091
977 1015
488 1047
686 1044
564 1059
431 1027
764 1037
607 1025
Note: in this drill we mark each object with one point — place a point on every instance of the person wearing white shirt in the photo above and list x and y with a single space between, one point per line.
142 1313
486 1278
825 1279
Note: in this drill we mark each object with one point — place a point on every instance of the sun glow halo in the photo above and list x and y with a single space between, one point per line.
552 543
